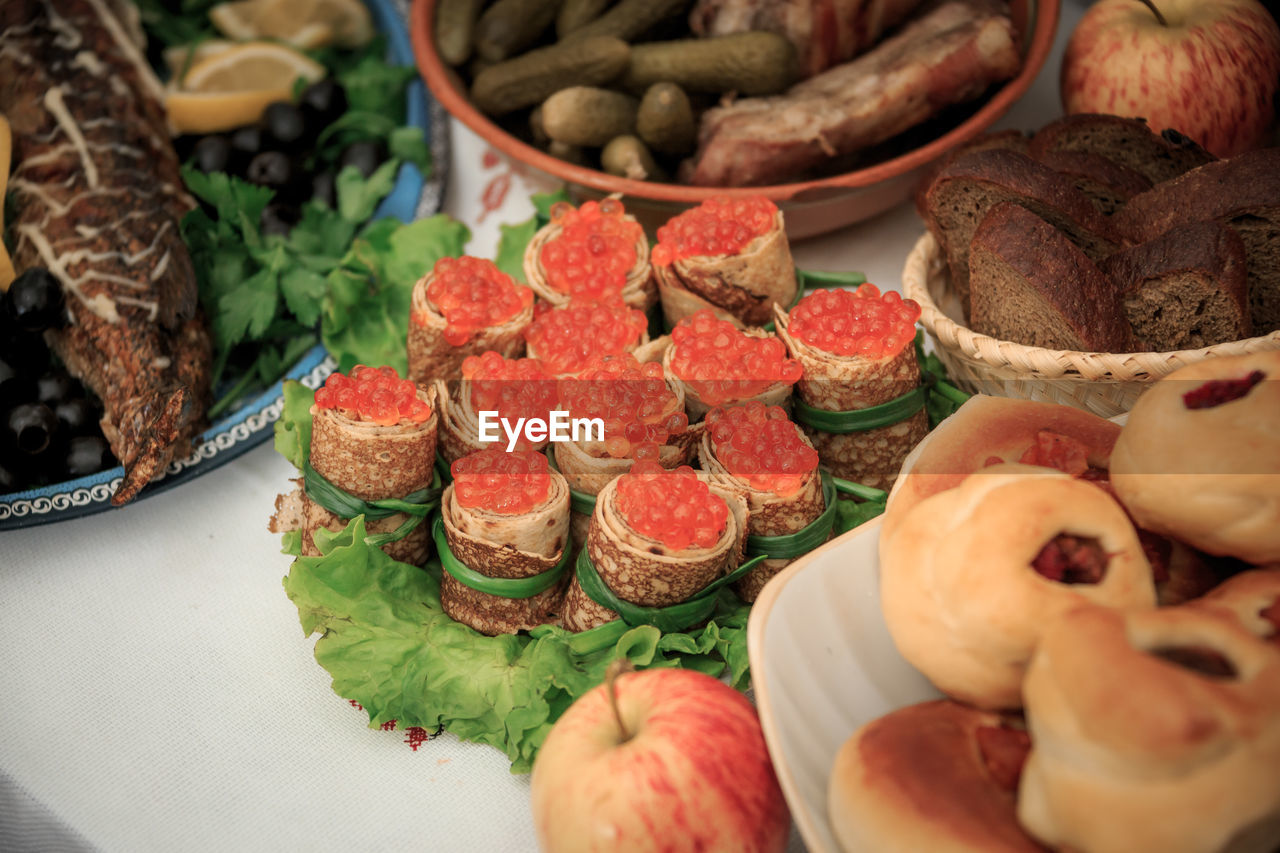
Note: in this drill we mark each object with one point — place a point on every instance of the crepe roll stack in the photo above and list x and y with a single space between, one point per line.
759 454
729 256
371 453
566 339
463 307
653 561
718 364
642 414
857 353
594 253
512 388
506 515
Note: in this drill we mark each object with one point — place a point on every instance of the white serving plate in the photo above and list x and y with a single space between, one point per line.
823 664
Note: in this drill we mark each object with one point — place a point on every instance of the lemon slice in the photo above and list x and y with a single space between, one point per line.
178 59
6 139
302 23
234 86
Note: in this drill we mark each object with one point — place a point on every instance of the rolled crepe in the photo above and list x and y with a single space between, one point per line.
643 570
768 513
840 383
460 424
371 462
741 288
777 394
506 546
431 357
639 290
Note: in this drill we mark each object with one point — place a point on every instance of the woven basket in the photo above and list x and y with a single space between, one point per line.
1104 383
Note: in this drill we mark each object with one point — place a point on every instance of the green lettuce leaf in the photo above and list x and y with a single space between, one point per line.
293 429
514 238
388 645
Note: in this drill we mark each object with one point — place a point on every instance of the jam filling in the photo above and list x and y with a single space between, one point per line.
1004 752
1199 659
1071 559
1218 391
673 507
596 247
472 294
501 482
762 446
375 394
862 322
1061 452
719 226
640 411
567 338
723 364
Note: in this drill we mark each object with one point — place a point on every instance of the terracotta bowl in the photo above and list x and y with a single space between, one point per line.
811 207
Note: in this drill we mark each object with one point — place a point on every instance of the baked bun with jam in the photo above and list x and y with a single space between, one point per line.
938 776
1252 599
1152 731
1199 458
970 577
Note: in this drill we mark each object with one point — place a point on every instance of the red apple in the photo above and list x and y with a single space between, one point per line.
1206 68
681 765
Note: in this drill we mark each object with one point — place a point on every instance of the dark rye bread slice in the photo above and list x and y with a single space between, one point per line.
1011 140
974 183
1032 285
1186 289
1127 141
1104 182
1243 192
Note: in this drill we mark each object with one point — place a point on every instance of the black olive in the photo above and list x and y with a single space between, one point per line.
36 301
279 219
9 481
87 454
213 154
324 189
246 143
271 169
26 353
54 386
76 416
7 370
284 124
29 427
366 155
322 102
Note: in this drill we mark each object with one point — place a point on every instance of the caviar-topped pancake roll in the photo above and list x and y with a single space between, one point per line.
730 255
565 339
511 388
373 436
719 364
506 515
594 253
657 538
857 351
464 306
759 453
643 418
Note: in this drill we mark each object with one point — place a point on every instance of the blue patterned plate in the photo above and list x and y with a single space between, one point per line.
411 197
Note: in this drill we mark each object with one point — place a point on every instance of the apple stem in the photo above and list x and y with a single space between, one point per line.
1156 12
617 668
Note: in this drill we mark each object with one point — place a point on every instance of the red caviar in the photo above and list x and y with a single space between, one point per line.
862 322
471 294
762 446
567 338
640 411
501 482
596 247
718 226
673 507
514 388
375 394
723 364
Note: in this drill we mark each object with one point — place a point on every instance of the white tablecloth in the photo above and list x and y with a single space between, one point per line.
157 693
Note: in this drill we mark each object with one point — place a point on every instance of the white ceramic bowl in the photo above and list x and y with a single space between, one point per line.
822 664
